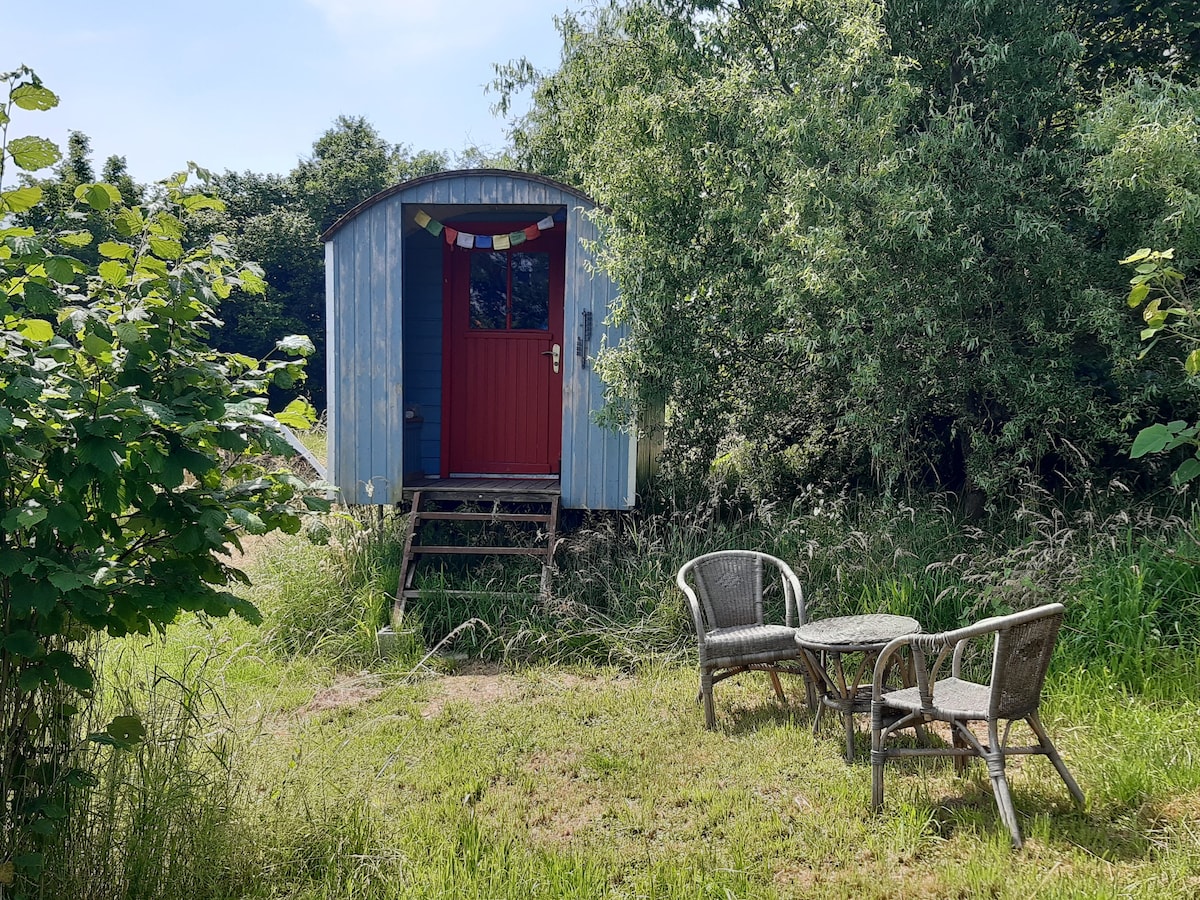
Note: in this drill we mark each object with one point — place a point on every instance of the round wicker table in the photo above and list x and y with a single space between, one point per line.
826 641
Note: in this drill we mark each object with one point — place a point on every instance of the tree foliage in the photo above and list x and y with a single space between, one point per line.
129 452
853 239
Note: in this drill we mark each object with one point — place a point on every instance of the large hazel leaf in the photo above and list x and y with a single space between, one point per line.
98 196
32 153
34 97
296 344
20 200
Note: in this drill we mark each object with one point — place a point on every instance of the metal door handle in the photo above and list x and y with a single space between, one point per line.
556 352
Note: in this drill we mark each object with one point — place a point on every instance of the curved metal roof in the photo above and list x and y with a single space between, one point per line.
412 183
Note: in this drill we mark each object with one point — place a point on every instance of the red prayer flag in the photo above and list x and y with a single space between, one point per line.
451 235
531 232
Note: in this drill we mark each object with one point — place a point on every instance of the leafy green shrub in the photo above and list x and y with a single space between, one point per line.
129 456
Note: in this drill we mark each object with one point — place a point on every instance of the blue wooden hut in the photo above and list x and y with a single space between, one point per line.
462 318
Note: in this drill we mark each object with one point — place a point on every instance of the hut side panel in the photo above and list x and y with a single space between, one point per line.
364 357
598 463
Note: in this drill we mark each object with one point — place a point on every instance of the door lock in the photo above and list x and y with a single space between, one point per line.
555 352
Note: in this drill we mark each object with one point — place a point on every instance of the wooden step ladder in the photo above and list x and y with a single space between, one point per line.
424 509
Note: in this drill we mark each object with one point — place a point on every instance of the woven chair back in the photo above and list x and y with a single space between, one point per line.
1019 666
730 587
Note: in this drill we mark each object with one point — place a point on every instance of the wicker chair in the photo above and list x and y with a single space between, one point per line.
727 607
1022 645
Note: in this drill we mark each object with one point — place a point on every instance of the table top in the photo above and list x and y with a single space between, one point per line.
847 634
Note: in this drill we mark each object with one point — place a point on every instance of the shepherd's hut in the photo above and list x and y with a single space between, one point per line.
463 317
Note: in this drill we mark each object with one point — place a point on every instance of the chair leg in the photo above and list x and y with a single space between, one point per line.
778 687
1052 753
706 695
995 763
960 762
877 757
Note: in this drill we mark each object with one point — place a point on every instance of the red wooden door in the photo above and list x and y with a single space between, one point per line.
502 395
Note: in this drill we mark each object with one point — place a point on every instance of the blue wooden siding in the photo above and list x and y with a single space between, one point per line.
598 463
423 348
364 357
377 279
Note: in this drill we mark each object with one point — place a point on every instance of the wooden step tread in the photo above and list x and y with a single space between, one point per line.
413 593
480 551
509 496
483 517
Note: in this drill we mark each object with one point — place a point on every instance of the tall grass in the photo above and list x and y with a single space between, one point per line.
163 818
330 599
1129 581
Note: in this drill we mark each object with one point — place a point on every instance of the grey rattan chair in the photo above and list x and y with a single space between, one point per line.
727 607
1022 645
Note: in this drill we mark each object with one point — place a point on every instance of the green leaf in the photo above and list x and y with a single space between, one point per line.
96 345
98 196
24 644
115 250
34 97
296 344
21 200
196 202
76 676
60 269
1138 294
1187 470
1192 364
298 414
32 153
1136 256
113 272
248 520
126 730
74 238
38 330
130 222
166 248
252 282
1151 439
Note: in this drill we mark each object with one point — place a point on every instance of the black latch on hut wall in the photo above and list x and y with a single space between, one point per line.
585 338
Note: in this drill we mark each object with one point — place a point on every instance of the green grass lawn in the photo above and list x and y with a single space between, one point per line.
571 782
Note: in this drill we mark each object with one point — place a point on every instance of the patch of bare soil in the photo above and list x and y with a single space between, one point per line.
481 682
476 682
346 690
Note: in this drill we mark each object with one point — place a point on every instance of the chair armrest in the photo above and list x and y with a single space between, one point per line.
693 604
793 597
883 661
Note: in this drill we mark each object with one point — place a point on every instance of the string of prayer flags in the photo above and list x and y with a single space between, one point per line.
502 241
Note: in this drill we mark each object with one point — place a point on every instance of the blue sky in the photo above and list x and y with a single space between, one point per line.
250 84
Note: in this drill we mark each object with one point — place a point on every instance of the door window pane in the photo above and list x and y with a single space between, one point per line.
489 290
531 290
